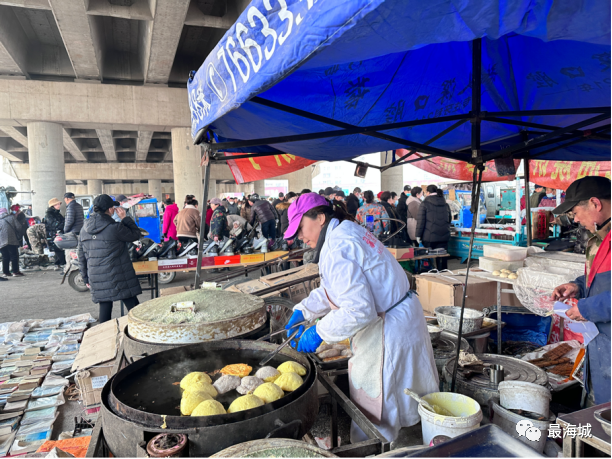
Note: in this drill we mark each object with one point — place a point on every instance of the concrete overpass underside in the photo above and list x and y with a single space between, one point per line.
93 95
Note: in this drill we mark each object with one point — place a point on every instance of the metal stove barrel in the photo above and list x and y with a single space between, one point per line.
130 415
480 389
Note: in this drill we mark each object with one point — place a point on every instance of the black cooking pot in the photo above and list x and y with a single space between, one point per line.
141 398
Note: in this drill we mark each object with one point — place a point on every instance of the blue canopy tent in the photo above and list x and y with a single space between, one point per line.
332 80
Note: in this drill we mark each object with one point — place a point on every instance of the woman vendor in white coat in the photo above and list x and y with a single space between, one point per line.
364 295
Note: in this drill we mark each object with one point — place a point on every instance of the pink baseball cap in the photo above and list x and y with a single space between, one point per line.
299 207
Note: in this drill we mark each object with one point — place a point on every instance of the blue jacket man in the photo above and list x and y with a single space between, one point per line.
589 201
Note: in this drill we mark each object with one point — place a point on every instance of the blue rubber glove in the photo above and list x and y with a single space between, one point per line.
310 340
296 318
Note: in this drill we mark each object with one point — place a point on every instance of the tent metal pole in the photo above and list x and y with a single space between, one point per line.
527 201
476 181
198 276
545 127
430 141
538 140
551 112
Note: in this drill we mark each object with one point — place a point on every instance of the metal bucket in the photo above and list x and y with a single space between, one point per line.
508 421
521 395
480 343
448 318
434 332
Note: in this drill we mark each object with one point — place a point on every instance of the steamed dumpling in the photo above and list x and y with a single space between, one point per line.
289 381
208 408
269 392
292 367
195 377
246 402
191 400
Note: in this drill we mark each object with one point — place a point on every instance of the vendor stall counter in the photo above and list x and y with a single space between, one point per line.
577 441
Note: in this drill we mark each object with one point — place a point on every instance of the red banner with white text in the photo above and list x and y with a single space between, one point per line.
560 174
455 169
265 167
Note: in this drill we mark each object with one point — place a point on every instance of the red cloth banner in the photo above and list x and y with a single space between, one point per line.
265 167
455 169
560 174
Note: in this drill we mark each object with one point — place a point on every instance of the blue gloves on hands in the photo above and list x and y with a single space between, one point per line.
310 340
296 318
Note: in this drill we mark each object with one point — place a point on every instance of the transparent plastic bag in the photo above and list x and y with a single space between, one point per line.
47 391
40 426
51 323
68 348
45 402
54 380
11 338
534 283
54 340
32 417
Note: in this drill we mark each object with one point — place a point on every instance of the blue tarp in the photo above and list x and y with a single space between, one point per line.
372 62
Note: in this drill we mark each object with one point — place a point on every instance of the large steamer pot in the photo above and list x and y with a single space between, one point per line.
141 398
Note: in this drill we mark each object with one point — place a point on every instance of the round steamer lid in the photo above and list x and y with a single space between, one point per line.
216 314
274 447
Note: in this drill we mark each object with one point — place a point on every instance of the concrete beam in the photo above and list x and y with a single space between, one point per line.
143 144
123 171
160 39
30 4
16 135
108 145
138 10
13 44
195 17
72 147
78 36
93 106
8 155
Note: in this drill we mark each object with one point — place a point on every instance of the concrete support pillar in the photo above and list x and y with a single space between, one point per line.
155 189
213 192
259 187
94 187
186 165
24 185
392 179
46 157
299 180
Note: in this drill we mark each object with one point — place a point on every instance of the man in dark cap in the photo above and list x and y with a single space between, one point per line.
281 198
74 214
329 193
588 199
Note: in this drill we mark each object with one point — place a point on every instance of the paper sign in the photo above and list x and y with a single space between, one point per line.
98 382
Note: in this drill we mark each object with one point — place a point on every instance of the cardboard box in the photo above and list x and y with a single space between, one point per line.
253 258
275 254
402 254
91 381
140 266
231 260
447 290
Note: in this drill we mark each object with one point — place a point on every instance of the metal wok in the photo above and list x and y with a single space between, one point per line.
142 398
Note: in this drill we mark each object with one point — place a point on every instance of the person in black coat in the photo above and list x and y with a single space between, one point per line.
352 202
54 222
104 259
433 223
74 214
386 201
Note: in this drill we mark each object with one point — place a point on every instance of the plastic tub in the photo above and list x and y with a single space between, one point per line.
493 264
522 395
508 421
467 410
504 252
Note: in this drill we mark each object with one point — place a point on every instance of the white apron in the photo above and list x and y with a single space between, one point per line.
360 280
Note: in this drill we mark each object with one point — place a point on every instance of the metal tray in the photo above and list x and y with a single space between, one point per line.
491 325
486 441
341 364
603 416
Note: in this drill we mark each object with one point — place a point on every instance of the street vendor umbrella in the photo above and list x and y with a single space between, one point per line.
334 80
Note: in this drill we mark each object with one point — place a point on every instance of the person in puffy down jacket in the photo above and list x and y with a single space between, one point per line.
104 259
433 223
